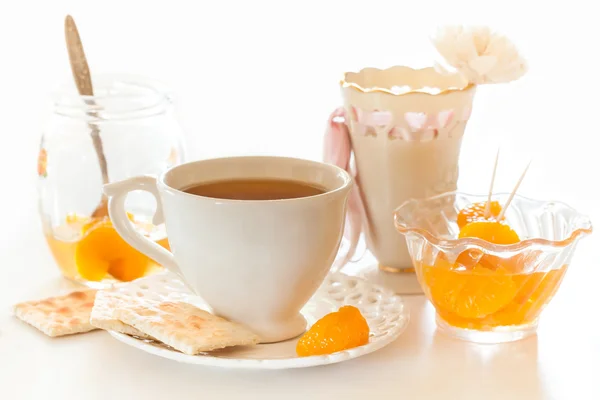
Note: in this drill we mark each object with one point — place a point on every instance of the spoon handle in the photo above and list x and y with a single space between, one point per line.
83 81
79 65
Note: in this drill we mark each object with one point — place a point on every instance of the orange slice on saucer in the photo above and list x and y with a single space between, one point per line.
337 331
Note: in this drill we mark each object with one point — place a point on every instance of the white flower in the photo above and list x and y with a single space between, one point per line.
481 55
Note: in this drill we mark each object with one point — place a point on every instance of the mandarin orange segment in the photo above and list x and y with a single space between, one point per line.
94 269
485 293
129 269
88 258
490 231
74 218
537 289
164 243
469 258
538 284
444 287
481 290
102 251
92 223
337 331
483 298
469 294
476 212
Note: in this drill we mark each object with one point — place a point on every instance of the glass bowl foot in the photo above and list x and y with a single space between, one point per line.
501 334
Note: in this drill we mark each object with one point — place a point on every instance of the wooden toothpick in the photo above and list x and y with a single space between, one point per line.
513 192
487 211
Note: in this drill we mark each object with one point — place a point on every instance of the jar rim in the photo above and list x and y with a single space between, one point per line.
114 93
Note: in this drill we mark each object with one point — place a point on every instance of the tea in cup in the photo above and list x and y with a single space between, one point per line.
253 236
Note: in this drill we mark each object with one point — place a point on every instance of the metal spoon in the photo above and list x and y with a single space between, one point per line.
83 81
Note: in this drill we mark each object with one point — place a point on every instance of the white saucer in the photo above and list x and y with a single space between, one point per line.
384 311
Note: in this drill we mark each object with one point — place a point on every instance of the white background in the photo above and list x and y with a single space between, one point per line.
260 77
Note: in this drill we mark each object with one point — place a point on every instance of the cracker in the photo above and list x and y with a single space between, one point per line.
104 307
184 327
60 315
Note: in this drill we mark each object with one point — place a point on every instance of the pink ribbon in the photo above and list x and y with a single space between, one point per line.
338 151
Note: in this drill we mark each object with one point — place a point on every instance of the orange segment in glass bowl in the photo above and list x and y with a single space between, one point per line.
538 285
469 294
337 331
476 212
102 251
490 231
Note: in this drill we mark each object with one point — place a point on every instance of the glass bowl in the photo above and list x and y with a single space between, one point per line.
484 292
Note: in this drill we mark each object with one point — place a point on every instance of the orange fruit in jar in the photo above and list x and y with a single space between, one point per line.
130 269
102 251
94 222
337 331
74 218
476 212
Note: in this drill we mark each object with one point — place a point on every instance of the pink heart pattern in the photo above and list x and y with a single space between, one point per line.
416 120
421 126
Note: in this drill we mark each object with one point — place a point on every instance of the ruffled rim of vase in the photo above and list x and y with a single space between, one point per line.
350 80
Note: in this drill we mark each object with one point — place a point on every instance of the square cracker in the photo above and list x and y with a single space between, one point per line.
102 315
61 315
184 327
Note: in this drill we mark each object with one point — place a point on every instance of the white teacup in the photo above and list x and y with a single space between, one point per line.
256 262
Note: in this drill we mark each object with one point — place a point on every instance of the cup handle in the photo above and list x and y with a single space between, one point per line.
117 193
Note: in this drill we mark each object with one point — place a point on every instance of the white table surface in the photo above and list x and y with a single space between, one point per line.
561 362
550 115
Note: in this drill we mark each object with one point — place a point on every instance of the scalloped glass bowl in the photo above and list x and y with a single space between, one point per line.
484 292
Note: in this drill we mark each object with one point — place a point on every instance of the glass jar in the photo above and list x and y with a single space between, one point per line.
129 125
